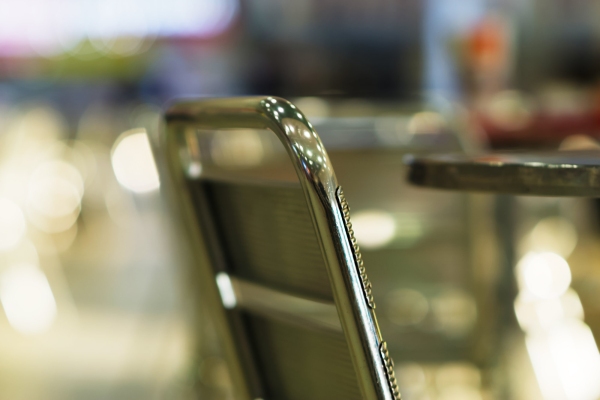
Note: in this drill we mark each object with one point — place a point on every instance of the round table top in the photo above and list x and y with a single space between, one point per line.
559 173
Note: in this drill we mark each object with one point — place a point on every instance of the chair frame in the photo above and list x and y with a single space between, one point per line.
330 216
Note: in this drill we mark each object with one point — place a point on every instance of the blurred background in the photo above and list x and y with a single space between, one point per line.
481 297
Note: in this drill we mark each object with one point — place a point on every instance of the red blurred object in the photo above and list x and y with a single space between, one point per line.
544 128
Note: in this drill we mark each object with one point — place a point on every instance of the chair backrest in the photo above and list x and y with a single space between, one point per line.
275 253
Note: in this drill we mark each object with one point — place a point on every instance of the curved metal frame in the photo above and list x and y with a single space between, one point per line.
329 211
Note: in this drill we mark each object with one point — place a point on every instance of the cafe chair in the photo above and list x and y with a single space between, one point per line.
274 254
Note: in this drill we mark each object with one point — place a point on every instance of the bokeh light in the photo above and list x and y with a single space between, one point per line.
566 362
373 228
405 307
535 315
579 142
454 312
554 234
54 203
27 299
411 378
315 108
509 110
133 162
58 169
426 122
546 275
237 148
120 28
12 224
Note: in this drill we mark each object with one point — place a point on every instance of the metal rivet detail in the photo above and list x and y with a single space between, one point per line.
362 272
388 364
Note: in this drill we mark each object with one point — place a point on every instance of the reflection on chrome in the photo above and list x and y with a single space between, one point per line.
194 169
226 290
280 305
133 162
27 299
190 156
